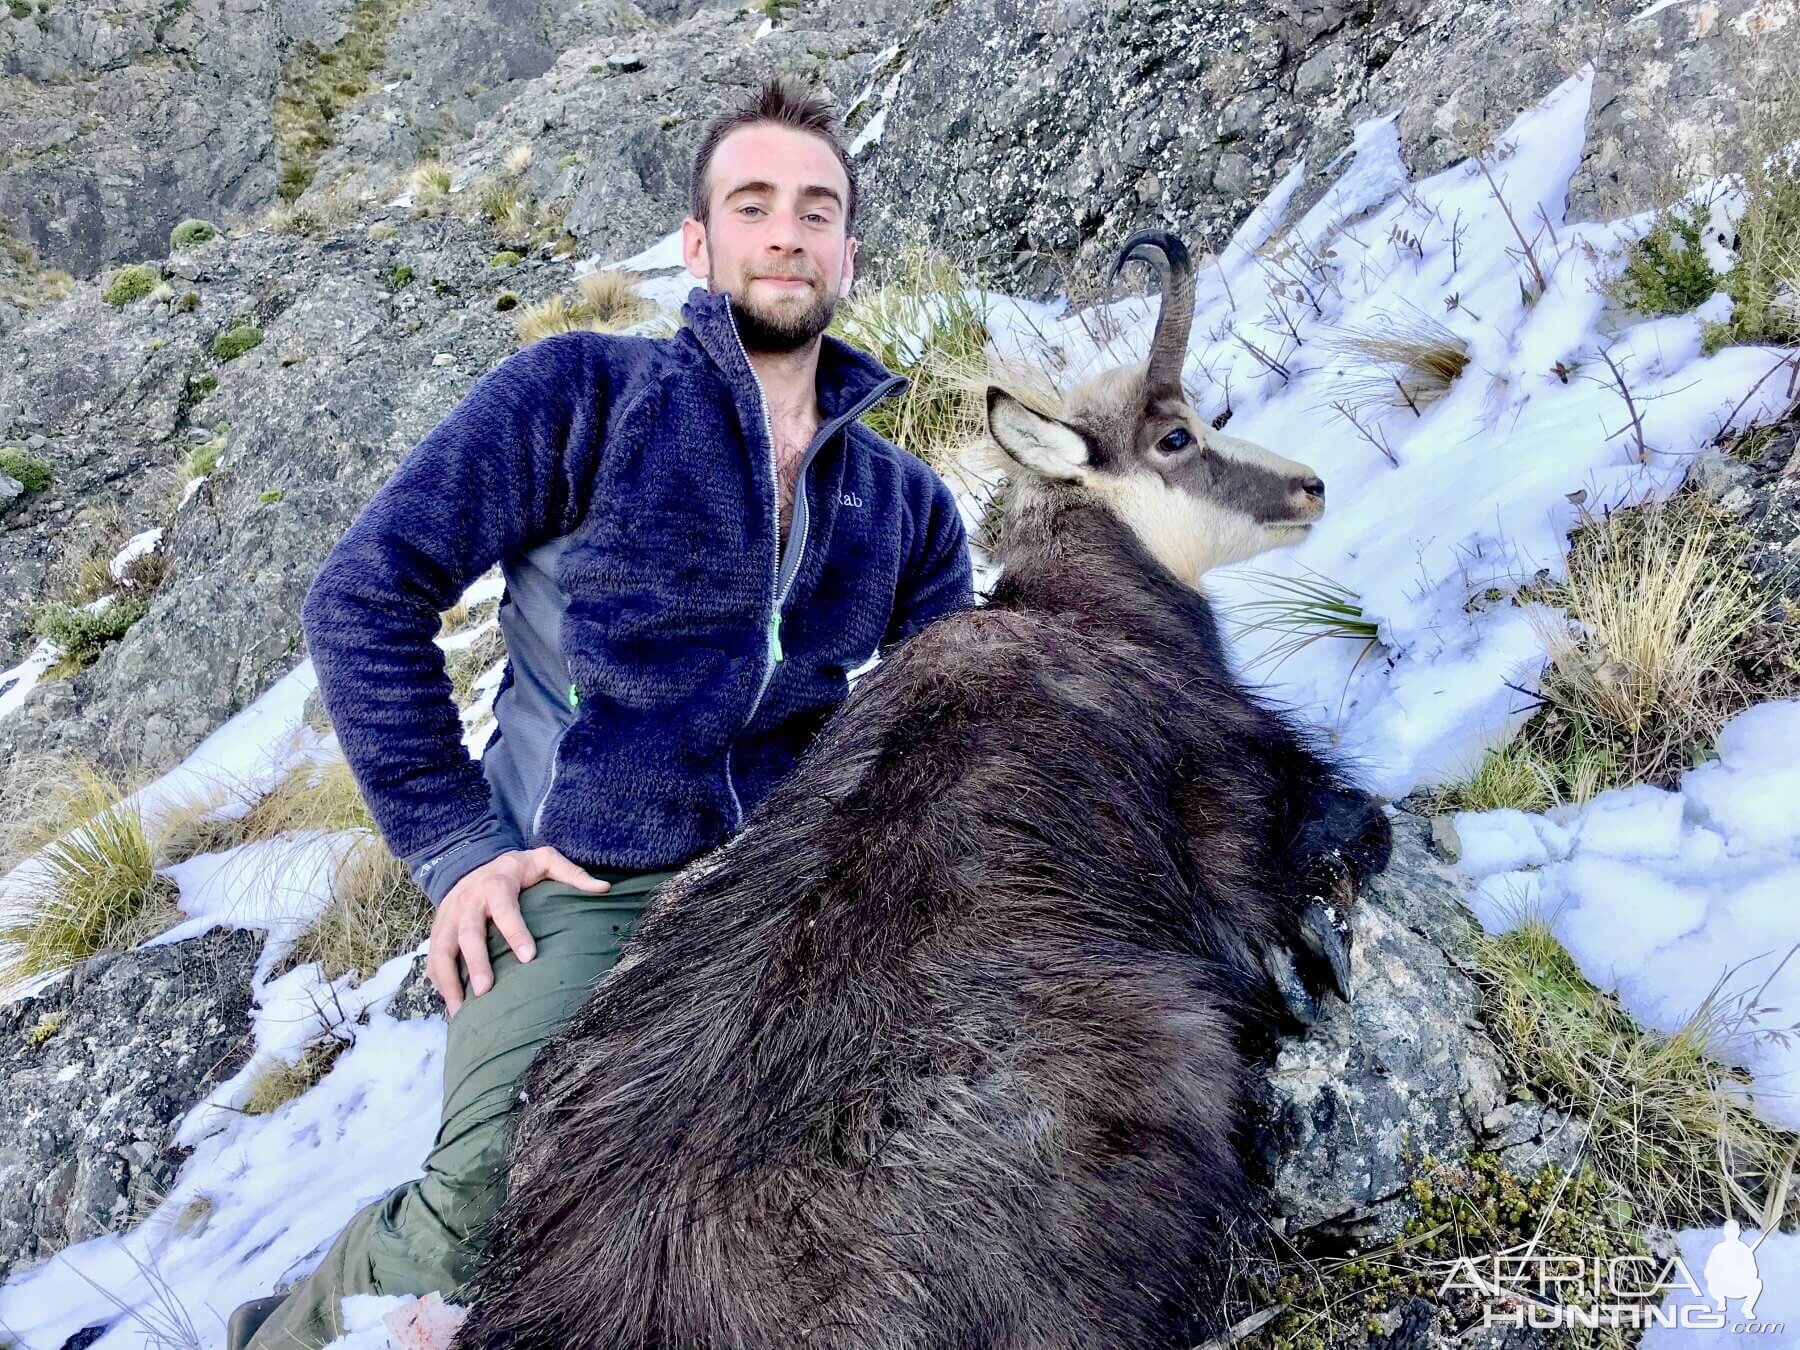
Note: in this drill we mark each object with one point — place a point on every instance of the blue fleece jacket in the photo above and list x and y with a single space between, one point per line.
668 659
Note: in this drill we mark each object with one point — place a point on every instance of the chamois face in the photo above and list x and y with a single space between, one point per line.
1198 499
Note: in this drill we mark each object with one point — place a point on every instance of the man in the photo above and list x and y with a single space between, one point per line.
699 541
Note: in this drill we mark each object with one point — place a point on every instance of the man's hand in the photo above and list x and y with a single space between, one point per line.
491 893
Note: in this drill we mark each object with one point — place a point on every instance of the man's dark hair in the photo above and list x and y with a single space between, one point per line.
784 104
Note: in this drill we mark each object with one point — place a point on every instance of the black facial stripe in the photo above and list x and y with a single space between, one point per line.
1257 492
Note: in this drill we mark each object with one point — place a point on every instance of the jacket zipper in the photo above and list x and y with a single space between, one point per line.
796 547
537 816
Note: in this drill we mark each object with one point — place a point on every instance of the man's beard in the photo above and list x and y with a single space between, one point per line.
785 330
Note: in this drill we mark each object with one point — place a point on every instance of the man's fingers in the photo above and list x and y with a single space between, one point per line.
440 968
475 956
558 868
512 927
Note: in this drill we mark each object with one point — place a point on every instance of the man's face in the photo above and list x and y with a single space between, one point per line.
776 240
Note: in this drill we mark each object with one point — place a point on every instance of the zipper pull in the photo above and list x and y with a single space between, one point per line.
574 698
775 635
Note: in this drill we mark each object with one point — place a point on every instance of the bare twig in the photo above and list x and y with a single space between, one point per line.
1537 272
1267 361
1637 423
1343 410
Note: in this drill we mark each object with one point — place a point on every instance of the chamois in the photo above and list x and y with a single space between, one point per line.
947 1048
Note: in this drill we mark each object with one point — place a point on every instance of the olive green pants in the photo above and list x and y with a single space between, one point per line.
421 1236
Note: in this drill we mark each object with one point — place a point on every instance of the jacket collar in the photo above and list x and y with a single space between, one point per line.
848 377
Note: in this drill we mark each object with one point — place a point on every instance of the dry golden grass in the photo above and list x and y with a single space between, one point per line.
91 886
376 913
1665 615
281 1082
606 301
929 324
1671 639
466 665
1416 360
1672 1131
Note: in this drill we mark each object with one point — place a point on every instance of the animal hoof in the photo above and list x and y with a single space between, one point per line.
1296 997
1325 936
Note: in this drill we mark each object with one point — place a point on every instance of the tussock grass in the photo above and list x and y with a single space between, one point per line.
1667 622
281 1082
606 301
1672 1131
929 325
1416 361
376 913
429 183
91 887
313 795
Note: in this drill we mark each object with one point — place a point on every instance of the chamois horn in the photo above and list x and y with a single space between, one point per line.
1175 317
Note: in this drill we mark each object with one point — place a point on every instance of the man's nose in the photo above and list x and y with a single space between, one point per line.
784 231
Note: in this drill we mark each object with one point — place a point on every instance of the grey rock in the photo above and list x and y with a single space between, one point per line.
87 1117
1716 474
415 998
1043 115
1404 1067
1444 838
11 491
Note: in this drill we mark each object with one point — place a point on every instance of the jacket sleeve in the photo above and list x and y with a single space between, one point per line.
940 578
506 468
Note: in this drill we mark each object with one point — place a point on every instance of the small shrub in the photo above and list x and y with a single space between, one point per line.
203 460
400 276
191 232
381 231
272 495
1666 272
31 472
45 1027
189 302
504 258
506 300
236 340
82 633
130 283
292 359
201 386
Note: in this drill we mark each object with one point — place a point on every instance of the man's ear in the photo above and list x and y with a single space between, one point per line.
1042 444
693 247
849 268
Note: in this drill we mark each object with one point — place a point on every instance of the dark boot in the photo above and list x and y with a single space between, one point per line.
247 1318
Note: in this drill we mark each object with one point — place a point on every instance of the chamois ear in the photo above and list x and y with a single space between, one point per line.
1041 444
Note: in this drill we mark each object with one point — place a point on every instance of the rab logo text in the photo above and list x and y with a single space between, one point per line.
851 499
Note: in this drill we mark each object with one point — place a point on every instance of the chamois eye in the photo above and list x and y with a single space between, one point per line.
1176 440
